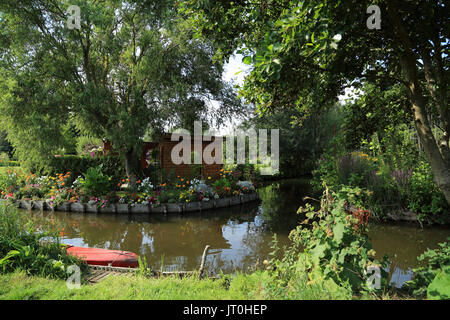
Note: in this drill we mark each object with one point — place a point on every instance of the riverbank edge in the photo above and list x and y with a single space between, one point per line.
136 208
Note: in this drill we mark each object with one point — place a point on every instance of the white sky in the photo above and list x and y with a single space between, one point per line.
233 66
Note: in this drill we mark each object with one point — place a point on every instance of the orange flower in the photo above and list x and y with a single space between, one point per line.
118 184
63 183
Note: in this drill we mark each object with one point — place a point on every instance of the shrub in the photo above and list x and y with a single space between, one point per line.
222 187
424 197
77 165
95 182
24 246
331 247
438 260
11 180
9 163
168 196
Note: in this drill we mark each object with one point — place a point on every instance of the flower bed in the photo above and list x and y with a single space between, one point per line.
95 192
142 208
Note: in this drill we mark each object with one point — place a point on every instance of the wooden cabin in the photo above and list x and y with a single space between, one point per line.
163 147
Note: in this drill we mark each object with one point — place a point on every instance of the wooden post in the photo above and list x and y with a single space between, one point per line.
202 264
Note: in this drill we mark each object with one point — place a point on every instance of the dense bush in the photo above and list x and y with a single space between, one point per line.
9 163
388 183
436 268
94 182
77 165
331 247
25 246
425 198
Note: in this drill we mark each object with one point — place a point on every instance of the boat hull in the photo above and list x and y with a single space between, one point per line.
104 257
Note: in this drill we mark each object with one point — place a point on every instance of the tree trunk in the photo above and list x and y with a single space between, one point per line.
439 165
437 156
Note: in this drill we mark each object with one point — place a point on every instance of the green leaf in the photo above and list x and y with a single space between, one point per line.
439 288
338 231
247 60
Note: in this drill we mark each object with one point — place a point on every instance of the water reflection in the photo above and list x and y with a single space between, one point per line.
239 236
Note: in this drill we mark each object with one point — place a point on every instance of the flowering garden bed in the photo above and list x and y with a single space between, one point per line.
139 208
96 192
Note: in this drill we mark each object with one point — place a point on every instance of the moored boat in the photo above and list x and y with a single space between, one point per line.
104 257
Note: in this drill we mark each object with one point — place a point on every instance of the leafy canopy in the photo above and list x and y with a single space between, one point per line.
133 66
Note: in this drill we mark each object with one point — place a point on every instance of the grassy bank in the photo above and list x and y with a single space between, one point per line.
18 285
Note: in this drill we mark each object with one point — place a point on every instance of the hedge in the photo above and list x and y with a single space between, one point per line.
77 165
9 163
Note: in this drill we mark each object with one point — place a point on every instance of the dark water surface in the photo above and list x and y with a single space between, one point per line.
240 237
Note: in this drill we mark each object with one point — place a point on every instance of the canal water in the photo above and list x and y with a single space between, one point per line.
240 237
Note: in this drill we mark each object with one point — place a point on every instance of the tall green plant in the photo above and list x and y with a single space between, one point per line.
332 246
95 182
437 262
25 246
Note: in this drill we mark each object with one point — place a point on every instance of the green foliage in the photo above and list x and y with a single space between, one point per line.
245 172
169 196
378 109
424 197
86 144
23 246
302 138
439 288
53 79
223 187
330 247
436 267
95 182
390 173
9 163
11 179
77 165
305 53
5 146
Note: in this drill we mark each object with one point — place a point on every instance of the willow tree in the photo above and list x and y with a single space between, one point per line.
303 54
127 68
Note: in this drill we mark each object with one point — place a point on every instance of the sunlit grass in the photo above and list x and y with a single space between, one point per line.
19 286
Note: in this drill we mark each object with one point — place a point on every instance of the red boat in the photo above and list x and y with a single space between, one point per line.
105 257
